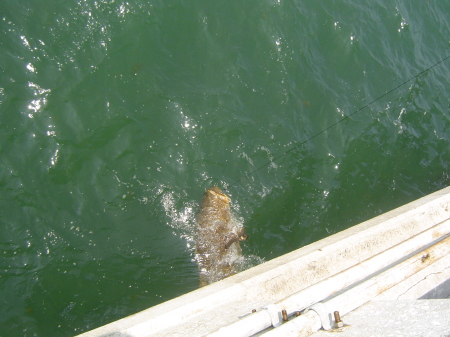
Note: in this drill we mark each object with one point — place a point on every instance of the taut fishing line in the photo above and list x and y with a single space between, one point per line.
301 143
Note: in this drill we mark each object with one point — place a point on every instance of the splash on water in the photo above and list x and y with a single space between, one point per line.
183 220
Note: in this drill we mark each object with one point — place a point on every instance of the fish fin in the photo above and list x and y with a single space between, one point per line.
230 239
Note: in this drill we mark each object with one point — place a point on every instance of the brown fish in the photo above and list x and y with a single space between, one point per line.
217 239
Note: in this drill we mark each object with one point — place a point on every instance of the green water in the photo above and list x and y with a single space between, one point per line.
115 116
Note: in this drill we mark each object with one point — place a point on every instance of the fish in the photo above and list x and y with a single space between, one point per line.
217 240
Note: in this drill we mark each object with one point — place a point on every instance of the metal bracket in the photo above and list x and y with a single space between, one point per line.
324 314
275 314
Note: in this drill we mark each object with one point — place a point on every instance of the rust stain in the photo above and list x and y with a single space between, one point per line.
425 257
437 234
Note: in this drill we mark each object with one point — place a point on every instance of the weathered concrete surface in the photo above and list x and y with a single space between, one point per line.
210 308
396 318
431 261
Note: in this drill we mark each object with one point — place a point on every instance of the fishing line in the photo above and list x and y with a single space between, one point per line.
336 123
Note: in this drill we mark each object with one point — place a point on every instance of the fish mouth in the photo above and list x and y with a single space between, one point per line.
218 193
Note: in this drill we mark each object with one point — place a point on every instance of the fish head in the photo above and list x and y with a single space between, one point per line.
215 192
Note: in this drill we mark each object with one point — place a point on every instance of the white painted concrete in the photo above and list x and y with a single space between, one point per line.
366 248
376 284
365 291
420 283
405 318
